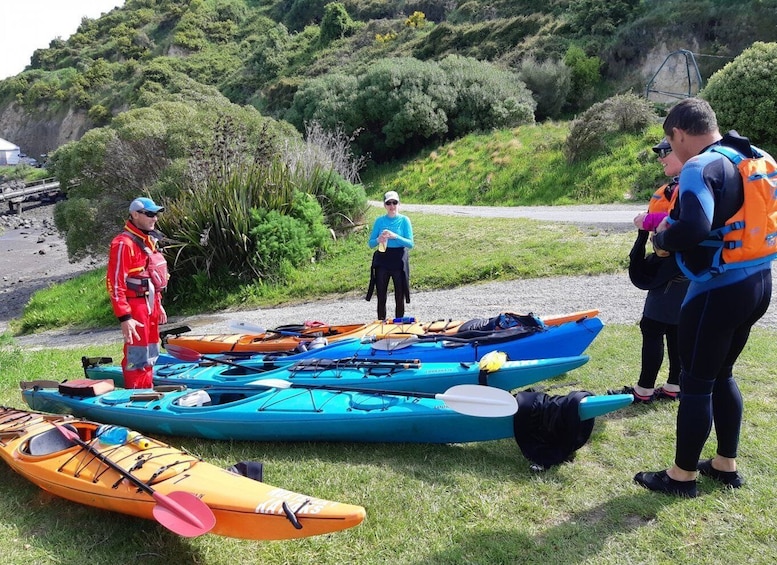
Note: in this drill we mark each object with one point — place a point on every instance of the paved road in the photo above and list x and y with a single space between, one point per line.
588 214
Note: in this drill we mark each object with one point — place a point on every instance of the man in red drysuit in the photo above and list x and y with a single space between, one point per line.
137 275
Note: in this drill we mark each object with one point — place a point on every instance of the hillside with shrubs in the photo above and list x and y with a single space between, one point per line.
401 73
255 122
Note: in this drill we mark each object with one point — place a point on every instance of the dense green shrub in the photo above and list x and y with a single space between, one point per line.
210 65
336 23
585 77
742 94
589 132
594 17
549 82
303 13
487 97
288 240
99 114
279 96
270 55
327 100
401 104
190 31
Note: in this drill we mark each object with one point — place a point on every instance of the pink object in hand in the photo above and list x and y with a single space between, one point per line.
649 222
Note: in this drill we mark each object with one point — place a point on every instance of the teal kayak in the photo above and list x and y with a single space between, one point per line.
291 414
400 374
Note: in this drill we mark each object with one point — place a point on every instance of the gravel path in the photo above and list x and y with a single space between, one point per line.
618 301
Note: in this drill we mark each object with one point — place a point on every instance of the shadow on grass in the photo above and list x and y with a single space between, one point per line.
578 539
47 528
498 459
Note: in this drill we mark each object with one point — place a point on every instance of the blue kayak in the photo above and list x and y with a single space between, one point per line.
406 375
564 340
291 414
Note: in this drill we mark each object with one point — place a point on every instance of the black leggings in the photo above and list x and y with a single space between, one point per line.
653 333
382 277
714 328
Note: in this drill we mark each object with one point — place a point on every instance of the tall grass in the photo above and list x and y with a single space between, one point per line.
525 166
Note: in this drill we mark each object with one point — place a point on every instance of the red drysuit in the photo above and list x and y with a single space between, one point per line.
134 295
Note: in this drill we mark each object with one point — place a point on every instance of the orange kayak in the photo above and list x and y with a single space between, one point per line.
282 340
559 319
292 338
245 508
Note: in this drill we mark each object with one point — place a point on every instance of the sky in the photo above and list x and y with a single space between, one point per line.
27 25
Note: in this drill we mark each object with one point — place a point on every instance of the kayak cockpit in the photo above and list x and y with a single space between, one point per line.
48 442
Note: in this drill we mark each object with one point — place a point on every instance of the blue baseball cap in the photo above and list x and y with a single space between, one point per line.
145 204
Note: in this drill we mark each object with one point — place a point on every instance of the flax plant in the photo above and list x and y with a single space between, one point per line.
208 225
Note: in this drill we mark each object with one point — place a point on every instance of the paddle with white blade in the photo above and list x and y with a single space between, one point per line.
470 400
388 343
246 327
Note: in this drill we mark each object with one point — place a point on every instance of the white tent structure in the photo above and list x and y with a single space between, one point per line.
9 153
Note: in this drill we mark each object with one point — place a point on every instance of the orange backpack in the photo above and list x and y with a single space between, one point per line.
749 237
659 203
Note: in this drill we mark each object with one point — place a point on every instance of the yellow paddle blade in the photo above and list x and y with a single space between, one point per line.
492 361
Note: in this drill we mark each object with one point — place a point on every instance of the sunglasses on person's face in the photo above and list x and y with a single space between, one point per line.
148 214
662 153
391 202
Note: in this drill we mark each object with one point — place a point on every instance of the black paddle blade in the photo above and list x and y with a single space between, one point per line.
174 331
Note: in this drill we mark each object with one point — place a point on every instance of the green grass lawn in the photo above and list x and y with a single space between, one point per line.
472 503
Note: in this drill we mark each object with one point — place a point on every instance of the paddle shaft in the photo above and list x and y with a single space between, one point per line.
471 400
324 364
190 355
436 395
405 364
162 499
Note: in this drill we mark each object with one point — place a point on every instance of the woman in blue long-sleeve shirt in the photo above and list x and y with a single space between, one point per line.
392 234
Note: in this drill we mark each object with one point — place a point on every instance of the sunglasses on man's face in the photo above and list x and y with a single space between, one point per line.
148 214
662 153
391 202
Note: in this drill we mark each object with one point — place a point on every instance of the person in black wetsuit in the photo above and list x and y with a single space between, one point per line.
666 292
716 315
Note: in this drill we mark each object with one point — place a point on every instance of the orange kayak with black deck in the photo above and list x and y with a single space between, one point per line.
291 338
84 470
